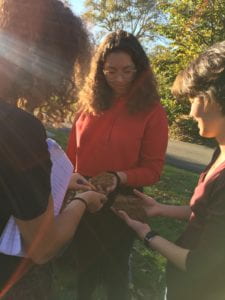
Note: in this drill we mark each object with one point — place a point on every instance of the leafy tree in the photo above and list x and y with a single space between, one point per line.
190 26
166 65
136 16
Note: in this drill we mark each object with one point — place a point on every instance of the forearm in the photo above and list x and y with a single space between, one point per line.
175 211
65 226
44 236
172 252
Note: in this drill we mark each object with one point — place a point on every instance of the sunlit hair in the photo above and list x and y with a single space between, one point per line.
204 76
43 41
97 96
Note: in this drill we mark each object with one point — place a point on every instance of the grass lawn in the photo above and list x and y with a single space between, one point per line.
148 268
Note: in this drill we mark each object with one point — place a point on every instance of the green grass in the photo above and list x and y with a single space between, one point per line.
61 136
148 267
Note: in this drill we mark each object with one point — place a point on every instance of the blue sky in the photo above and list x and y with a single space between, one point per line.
77 6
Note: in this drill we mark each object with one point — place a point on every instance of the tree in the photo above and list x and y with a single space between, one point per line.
190 26
136 16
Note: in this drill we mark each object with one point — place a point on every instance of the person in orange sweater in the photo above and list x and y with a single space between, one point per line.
120 127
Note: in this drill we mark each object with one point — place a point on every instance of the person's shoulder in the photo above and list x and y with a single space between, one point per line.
25 124
24 135
14 119
24 118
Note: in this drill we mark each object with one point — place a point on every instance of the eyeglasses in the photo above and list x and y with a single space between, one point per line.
126 74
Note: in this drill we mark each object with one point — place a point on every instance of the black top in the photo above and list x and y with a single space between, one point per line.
25 168
205 237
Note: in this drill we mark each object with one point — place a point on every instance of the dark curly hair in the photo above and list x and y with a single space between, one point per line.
204 76
97 96
50 48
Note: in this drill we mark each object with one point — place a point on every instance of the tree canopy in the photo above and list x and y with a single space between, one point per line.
136 16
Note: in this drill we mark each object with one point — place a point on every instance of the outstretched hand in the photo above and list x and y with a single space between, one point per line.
150 205
140 228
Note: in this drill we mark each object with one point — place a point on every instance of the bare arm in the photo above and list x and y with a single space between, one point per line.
172 252
175 211
45 235
154 208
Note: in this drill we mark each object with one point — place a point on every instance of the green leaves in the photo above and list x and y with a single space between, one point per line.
188 27
136 16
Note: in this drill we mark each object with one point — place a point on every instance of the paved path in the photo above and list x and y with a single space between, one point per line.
188 156
182 155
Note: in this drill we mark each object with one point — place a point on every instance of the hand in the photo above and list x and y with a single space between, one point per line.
105 182
140 228
94 200
114 184
78 182
150 205
121 178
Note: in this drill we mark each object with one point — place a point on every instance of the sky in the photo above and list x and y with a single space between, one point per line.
77 6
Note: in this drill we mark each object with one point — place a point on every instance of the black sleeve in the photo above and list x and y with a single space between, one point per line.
25 166
209 255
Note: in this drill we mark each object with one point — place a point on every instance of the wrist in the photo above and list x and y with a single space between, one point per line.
73 205
82 200
118 179
161 210
123 177
149 236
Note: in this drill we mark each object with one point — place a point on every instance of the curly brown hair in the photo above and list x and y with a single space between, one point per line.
97 96
46 42
204 76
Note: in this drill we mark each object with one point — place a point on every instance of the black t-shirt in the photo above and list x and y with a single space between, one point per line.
25 168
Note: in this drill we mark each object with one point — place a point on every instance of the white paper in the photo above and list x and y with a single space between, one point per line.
62 169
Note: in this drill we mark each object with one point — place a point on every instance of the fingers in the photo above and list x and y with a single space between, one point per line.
85 184
146 200
98 201
123 215
140 194
110 188
100 189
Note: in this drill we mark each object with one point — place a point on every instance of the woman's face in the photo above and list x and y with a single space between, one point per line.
207 113
119 71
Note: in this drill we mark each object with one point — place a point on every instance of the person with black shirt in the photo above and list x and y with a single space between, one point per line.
196 267
25 164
